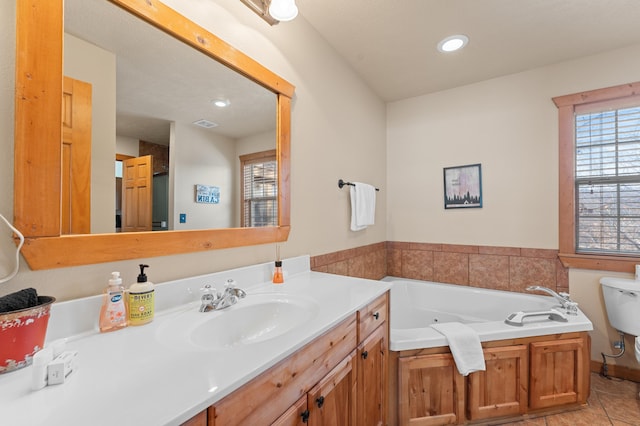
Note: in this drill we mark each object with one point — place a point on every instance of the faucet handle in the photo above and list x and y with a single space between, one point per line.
209 292
208 299
230 288
571 307
565 295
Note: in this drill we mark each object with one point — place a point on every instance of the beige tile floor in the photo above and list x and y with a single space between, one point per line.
612 402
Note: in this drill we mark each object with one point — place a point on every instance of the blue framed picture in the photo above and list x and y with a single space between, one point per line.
207 194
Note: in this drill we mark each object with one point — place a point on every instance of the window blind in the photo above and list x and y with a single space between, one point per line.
260 192
607 179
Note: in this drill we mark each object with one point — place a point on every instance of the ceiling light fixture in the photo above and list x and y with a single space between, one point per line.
283 10
453 43
221 103
261 8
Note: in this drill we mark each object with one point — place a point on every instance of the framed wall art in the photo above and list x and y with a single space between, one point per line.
207 194
463 187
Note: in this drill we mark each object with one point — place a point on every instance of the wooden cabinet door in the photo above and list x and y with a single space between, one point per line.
501 390
332 401
431 391
559 373
296 415
199 419
372 379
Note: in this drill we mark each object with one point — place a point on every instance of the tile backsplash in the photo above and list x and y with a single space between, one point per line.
500 268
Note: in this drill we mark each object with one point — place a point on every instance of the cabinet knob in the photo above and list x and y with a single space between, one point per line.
305 416
376 315
320 401
364 354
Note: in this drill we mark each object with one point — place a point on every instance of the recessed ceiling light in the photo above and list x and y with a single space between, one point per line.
453 43
221 103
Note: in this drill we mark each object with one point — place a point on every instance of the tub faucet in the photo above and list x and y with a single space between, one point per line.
567 304
212 300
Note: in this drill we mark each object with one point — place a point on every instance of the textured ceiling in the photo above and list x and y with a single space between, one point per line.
391 44
159 80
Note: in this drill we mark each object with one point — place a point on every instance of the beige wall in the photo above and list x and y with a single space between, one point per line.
338 131
127 146
201 157
509 125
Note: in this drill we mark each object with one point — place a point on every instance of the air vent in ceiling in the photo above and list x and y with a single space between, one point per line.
205 123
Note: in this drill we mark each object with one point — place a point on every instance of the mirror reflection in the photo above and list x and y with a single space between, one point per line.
157 136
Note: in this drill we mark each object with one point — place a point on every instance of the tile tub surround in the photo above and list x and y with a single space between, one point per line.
137 368
363 262
497 268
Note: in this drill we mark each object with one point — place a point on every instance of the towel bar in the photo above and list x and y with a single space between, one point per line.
342 183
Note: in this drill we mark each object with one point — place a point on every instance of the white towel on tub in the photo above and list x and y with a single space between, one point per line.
465 346
363 205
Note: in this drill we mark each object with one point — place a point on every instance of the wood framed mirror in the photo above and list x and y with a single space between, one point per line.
38 132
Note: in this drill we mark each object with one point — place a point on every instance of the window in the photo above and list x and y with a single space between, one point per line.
600 178
259 177
608 181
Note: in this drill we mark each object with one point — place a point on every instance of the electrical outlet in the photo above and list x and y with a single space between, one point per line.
183 218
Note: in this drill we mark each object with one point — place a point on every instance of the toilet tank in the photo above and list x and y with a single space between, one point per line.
622 301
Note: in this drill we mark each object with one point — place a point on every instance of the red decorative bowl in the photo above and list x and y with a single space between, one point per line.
22 334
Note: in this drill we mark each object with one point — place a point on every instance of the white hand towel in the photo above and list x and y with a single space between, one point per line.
465 346
363 205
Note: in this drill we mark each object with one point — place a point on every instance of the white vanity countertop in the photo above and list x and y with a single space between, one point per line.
131 377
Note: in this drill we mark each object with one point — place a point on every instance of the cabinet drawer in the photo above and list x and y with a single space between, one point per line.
371 316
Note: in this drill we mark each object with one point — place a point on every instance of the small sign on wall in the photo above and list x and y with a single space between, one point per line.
207 194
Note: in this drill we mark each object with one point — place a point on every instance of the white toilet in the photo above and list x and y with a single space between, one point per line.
622 301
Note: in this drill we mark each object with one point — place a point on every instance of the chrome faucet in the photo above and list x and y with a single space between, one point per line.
212 300
567 304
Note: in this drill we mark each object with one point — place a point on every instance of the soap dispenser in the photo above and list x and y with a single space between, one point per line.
141 300
278 276
113 313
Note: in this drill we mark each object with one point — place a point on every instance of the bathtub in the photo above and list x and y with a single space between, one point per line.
415 305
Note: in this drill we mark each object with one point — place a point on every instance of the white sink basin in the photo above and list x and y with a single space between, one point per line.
256 318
